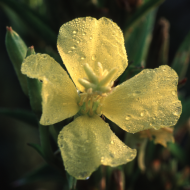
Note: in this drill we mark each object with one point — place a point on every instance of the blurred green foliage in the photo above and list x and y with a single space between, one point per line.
147 45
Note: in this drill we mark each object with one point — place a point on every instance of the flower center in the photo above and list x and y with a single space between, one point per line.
97 86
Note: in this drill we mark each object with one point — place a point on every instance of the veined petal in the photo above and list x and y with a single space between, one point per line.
87 40
88 142
59 95
147 100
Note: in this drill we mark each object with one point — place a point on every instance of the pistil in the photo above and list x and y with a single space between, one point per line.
96 88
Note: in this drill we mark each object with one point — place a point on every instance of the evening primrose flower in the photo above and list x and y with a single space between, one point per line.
94 54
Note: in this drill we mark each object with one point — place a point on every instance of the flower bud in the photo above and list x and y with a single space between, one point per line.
34 88
16 49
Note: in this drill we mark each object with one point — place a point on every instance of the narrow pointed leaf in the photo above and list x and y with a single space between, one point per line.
38 148
20 114
145 8
178 152
30 18
16 49
138 42
182 58
185 113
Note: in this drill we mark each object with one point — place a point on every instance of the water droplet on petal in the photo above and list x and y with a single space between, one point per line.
142 114
176 113
128 117
173 92
77 42
82 58
90 38
93 57
112 142
74 32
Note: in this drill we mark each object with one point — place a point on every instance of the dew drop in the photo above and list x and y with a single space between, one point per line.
176 113
77 42
112 142
173 92
87 178
90 38
74 32
128 117
83 33
82 58
93 58
102 159
73 47
142 114
156 127
69 51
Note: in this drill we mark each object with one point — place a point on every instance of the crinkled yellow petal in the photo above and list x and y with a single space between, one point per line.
59 95
147 100
161 136
88 142
88 40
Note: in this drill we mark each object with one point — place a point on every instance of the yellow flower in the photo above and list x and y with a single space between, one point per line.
94 54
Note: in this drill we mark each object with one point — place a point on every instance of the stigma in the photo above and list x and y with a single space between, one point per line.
97 87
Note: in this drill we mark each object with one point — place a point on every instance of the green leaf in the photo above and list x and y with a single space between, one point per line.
182 58
138 42
139 14
20 114
43 173
38 148
177 151
158 50
185 113
16 49
137 45
30 18
71 181
30 51
45 143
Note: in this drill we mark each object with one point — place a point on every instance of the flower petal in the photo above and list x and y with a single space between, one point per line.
59 95
87 40
162 136
88 142
147 100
